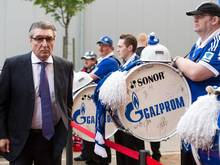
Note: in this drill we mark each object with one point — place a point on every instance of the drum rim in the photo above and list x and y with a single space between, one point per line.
83 88
74 90
76 94
172 133
110 135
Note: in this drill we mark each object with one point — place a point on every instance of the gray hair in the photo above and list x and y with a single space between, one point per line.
42 25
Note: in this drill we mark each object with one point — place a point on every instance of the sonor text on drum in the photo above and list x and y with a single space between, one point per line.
147 80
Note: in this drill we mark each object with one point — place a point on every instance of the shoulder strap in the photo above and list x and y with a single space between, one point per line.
119 63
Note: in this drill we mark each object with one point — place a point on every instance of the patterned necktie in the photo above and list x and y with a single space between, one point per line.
46 105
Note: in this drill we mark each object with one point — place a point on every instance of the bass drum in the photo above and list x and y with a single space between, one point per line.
84 113
158 95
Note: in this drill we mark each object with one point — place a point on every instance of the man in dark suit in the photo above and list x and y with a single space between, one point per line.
35 95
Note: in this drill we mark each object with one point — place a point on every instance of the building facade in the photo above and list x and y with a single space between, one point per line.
103 17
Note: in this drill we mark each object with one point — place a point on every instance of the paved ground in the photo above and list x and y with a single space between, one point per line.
168 159
169 149
171 159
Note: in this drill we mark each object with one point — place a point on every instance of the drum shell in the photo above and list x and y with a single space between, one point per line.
168 86
84 112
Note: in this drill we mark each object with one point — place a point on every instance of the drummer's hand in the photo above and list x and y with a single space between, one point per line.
173 62
4 145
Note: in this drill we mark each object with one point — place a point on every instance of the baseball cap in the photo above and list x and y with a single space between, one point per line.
206 8
89 55
106 40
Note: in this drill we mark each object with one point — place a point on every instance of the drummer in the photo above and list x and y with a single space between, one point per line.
142 43
127 45
126 50
106 64
142 40
202 66
89 62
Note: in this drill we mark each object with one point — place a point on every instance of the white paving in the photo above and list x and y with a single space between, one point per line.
169 147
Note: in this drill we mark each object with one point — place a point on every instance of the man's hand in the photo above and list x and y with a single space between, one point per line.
173 61
4 145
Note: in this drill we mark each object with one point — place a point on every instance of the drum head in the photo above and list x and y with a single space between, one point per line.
84 112
158 97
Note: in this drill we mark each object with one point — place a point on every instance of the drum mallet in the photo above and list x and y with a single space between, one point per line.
213 90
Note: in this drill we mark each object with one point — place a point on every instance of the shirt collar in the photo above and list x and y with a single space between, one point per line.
201 45
129 60
36 60
102 58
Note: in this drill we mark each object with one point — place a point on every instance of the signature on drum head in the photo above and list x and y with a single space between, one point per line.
163 123
144 124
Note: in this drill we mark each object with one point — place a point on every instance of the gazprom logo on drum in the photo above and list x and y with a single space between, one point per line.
134 114
80 117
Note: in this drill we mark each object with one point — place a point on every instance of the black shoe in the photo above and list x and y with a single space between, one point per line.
89 162
156 156
79 158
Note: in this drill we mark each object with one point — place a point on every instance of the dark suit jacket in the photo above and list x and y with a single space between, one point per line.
17 96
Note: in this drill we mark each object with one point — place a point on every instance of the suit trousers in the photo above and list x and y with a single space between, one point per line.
37 150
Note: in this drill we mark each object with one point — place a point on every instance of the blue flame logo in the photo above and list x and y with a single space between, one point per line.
135 101
82 109
133 107
78 115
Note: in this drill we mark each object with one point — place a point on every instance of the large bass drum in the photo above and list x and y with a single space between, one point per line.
84 113
158 96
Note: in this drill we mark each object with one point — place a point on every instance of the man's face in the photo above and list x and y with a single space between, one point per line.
104 49
42 43
202 23
122 50
89 63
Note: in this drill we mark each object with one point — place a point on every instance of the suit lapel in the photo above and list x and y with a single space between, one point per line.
28 74
58 83
57 76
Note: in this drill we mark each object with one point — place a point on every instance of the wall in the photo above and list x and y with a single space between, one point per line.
166 18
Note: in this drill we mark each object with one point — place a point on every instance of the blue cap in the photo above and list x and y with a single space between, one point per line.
106 40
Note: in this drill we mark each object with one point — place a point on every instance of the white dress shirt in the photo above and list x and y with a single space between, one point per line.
102 58
129 60
36 67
